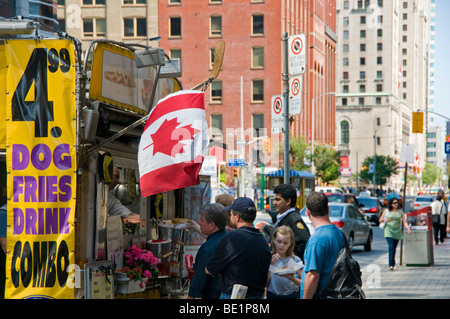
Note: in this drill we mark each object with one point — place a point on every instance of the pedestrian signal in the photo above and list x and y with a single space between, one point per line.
417 122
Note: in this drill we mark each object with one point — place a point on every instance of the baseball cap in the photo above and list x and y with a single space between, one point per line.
242 204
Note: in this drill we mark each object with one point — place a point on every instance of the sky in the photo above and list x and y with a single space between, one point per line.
442 74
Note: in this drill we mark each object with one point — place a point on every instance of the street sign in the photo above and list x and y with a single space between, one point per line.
296 54
236 162
407 153
346 171
417 122
371 168
295 95
277 113
447 147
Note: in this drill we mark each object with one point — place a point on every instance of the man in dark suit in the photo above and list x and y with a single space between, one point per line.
288 215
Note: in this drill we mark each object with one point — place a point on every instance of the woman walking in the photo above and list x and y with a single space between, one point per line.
393 217
438 213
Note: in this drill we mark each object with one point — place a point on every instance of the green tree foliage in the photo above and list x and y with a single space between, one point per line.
431 173
326 161
300 154
386 166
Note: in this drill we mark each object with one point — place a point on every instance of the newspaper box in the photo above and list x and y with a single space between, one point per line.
419 244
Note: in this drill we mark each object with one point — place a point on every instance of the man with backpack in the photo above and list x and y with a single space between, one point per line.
321 254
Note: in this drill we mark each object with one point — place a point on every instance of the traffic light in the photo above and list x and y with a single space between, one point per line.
236 172
417 122
267 145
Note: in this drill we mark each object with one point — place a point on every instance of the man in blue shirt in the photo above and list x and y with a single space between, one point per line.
212 223
243 256
322 248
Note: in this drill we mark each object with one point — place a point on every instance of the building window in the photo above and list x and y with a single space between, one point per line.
362 33
380 3
378 101
174 1
345 89
344 101
215 1
345 47
216 26
362 88
380 19
362 19
379 46
361 101
135 27
404 38
216 92
346 5
345 34
216 127
378 140
257 24
362 75
345 61
405 16
379 60
134 1
92 2
379 74
362 47
362 61
405 27
346 21
89 25
345 75
345 133
258 124
257 58
379 87
175 27
257 90
405 5
379 33
175 54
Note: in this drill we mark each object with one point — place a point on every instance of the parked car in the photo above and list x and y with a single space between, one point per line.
328 189
344 198
347 218
423 201
371 208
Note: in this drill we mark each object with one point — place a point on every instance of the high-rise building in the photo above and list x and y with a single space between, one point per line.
252 31
382 77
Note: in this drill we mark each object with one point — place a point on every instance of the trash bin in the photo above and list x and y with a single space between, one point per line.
418 249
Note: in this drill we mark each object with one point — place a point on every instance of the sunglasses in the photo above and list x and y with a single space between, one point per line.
394 202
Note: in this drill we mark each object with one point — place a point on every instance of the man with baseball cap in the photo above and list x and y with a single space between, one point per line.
243 256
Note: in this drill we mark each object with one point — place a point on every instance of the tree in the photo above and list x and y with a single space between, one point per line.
431 173
386 166
326 161
300 154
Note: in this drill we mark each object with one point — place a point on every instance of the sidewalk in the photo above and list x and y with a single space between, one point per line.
431 282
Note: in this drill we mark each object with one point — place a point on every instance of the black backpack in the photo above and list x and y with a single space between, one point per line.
345 280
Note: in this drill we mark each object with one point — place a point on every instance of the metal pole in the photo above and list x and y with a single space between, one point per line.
242 143
286 108
312 134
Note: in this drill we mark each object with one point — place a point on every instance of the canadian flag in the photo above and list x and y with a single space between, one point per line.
172 145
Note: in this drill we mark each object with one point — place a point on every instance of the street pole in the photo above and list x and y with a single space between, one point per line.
263 185
286 108
374 159
242 142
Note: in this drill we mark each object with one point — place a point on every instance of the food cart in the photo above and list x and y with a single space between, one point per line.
89 116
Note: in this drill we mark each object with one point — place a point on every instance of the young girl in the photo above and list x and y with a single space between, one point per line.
283 286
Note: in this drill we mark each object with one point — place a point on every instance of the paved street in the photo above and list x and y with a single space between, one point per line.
431 282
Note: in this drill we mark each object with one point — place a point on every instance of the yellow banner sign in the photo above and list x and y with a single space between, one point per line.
41 166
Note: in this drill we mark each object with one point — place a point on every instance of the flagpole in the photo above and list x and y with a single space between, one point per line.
242 143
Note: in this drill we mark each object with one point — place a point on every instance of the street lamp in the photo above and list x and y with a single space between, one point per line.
375 154
313 126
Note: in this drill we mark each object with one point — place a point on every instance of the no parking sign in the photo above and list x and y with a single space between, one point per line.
277 113
297 56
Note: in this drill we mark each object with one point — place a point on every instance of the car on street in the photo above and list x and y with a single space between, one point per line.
347 218
422 201
344 198
328 189
371 208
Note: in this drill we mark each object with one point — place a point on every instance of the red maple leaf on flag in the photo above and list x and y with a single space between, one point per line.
167 138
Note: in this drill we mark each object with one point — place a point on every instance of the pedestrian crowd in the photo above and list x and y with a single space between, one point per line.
291 265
